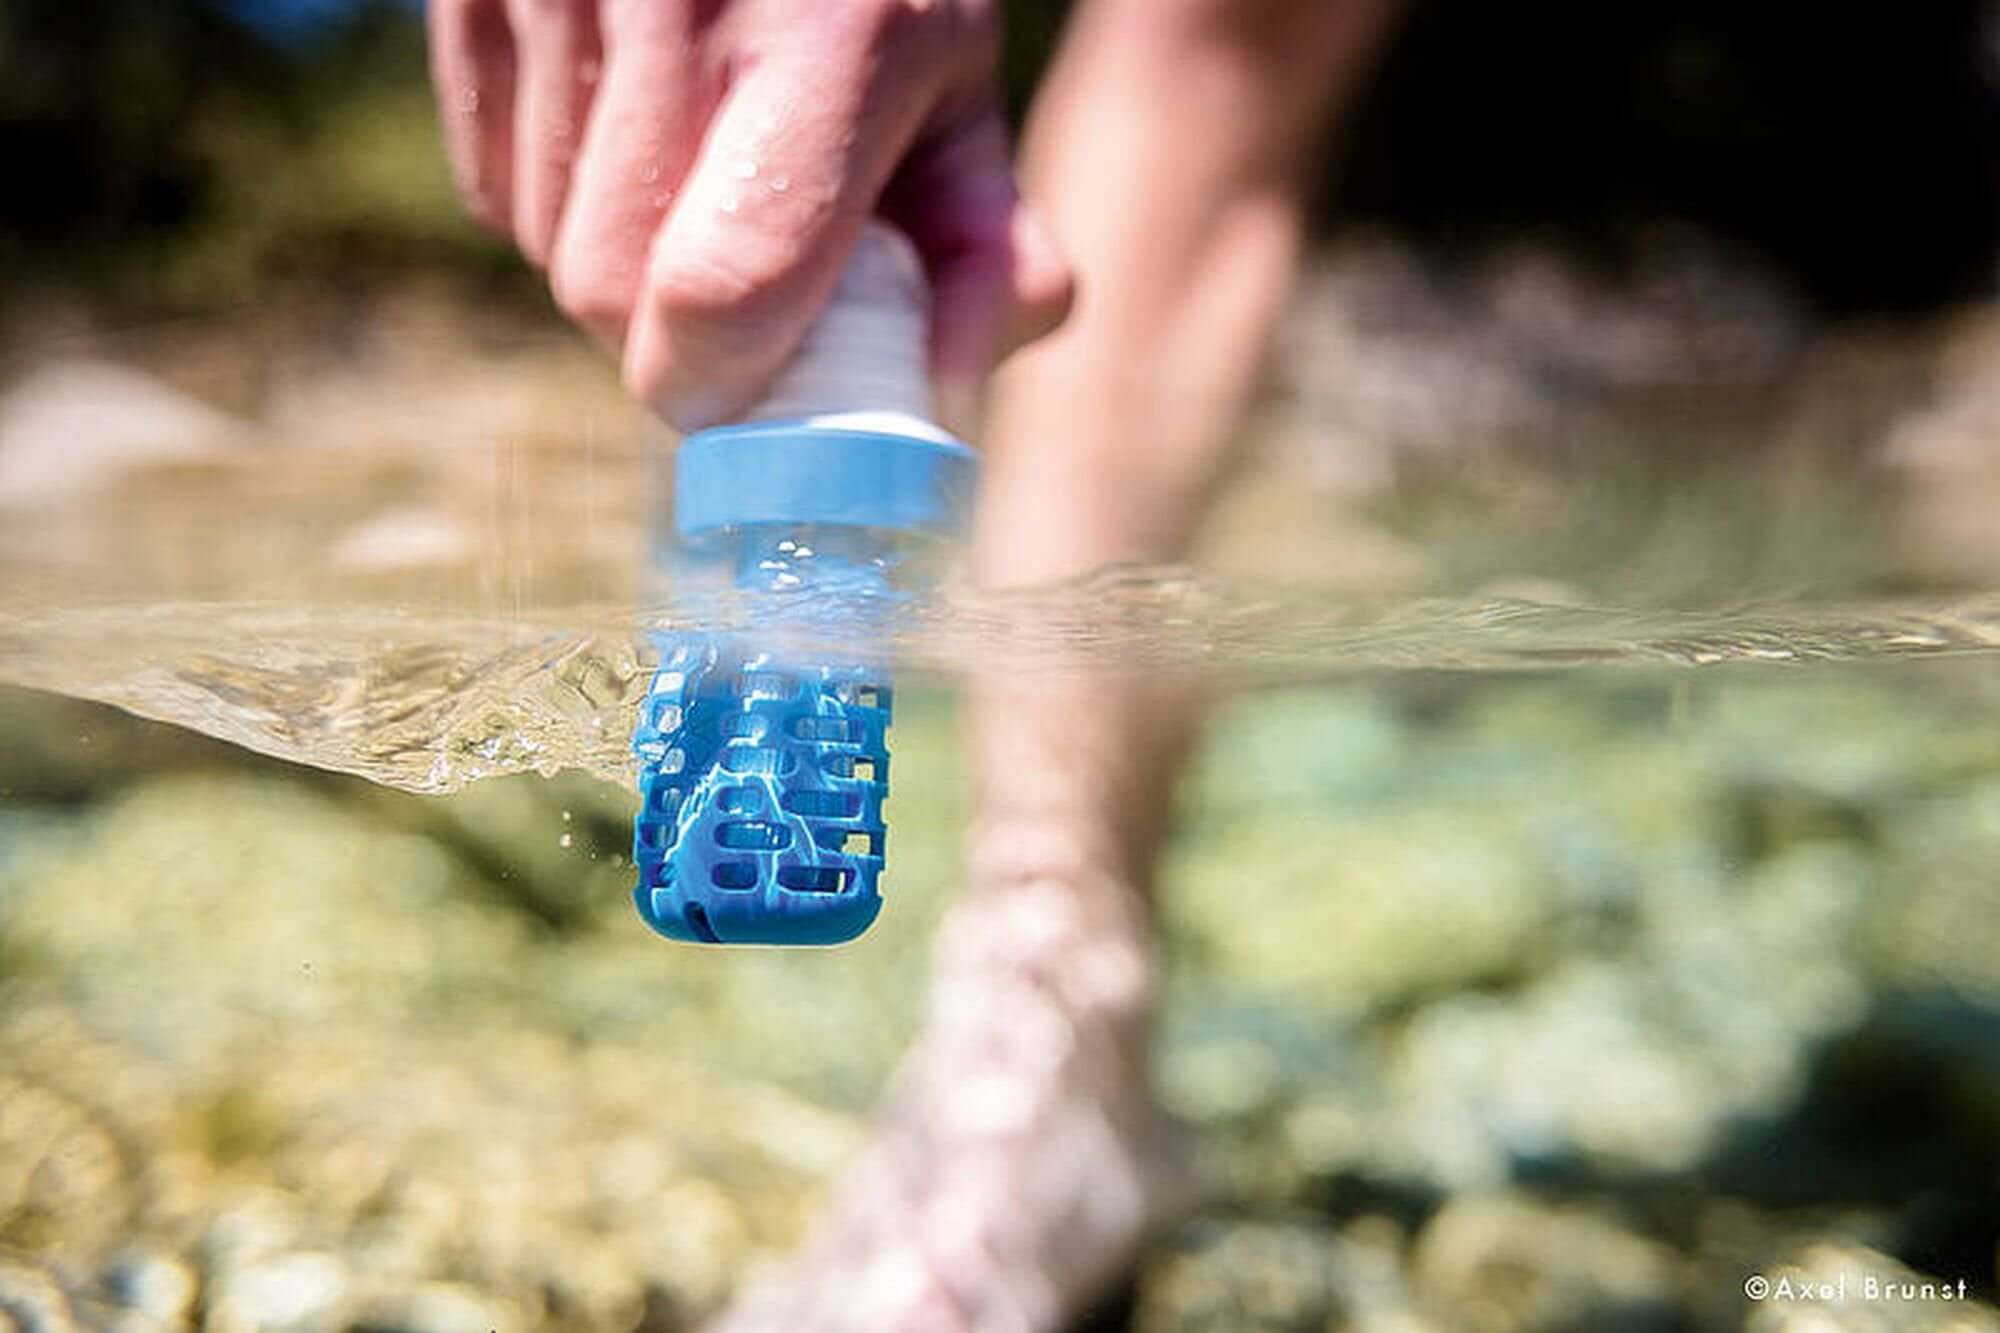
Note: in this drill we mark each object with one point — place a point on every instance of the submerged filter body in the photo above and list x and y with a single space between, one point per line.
763 751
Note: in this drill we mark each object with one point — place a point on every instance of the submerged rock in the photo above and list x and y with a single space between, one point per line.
31 1300
1243 1278
152 1282
1509 1264
73 428
297 1292
324 1059
437 1307
1266 1276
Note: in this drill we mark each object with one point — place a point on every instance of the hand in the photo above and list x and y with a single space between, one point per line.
693 173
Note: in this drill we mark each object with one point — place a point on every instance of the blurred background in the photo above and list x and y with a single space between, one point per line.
1602 602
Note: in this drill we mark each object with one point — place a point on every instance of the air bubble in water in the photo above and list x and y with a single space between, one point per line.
780 184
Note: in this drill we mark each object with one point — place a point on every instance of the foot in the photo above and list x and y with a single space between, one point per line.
1022 1161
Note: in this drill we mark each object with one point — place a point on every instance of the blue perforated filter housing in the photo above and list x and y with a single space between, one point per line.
763 766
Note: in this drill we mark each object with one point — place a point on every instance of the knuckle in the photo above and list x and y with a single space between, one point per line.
531 234
660 20
885 16
542 15
699 289
484 195
654 384
488 206
974 33
476 24
642 384
1046 301
587 291
930 24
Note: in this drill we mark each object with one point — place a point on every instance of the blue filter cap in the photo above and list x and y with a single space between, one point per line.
763 766
860 470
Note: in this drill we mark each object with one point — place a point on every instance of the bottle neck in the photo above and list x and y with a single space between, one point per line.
832 559
866 355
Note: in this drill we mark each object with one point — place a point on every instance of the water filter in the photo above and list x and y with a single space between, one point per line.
763 756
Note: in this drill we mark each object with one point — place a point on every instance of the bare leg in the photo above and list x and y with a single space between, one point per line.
1021 1160
1169 151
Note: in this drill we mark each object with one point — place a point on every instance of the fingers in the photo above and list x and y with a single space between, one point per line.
998 281
557 58
701 232
790 172
653 99
472 69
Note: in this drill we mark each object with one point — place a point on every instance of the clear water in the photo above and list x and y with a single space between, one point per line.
427 702
1592 818
426 563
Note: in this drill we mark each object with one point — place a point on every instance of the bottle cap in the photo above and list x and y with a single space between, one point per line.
844 435
806 471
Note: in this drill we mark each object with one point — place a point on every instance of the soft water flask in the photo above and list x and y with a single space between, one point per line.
763 753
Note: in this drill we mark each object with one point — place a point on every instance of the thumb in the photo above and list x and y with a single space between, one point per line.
998 281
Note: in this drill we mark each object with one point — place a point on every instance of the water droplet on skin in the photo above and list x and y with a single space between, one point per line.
650 173
662 198
780 184
746 170
731 204
468 100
